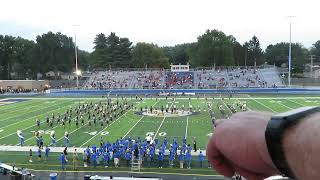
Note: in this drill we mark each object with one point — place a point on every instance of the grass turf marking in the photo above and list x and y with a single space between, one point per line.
29 126
263 104
105 127
137 122
155 135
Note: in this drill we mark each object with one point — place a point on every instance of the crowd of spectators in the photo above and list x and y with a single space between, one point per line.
126 79
16 91
206 79
247 77
179 79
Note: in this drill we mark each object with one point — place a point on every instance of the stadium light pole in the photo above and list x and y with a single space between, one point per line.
289 56
76 54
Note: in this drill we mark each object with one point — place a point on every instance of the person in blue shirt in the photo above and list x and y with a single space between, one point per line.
183 149
156 141
39 153
201 158
181 159
21 139
116 159
94 148
184 140
189 149
139 140
47 150
106 159
62 160
66 139
160 158
128 157
171 158
94 159
188 159
101 150
53 140
141 154
149 159
165 141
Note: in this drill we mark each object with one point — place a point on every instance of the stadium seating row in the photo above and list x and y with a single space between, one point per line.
201 79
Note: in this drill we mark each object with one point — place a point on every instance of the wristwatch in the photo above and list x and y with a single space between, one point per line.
274 135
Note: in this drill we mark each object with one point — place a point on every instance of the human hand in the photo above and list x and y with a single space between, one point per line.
238 146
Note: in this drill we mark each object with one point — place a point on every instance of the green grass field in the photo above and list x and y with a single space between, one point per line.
22 116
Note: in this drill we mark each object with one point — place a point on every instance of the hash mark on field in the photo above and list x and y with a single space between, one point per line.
263 105
137 122
161 124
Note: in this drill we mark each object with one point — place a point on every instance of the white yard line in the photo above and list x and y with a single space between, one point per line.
106 127
25 106
28 126
187 125
296 102
27 113
103 129
155 135
133 126
20 121
137 122
74 130
226 106
186 134
284 105
263 105
49 129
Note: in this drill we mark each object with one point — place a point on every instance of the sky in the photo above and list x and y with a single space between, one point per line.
163 22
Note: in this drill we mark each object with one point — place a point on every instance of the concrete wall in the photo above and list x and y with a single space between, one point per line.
23 84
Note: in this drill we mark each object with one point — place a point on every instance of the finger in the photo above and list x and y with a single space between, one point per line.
249 175
217 160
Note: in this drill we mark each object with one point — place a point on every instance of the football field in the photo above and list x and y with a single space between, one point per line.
21 114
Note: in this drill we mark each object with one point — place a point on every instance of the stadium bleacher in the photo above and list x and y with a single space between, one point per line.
239 77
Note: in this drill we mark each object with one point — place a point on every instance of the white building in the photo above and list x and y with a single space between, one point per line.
180 68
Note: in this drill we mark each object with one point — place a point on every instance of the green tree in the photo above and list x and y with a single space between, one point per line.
23 59
111 50
99 55
238 53
6 51
254 52
278 54
56 52
213 47
177 54
315 49
150 54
